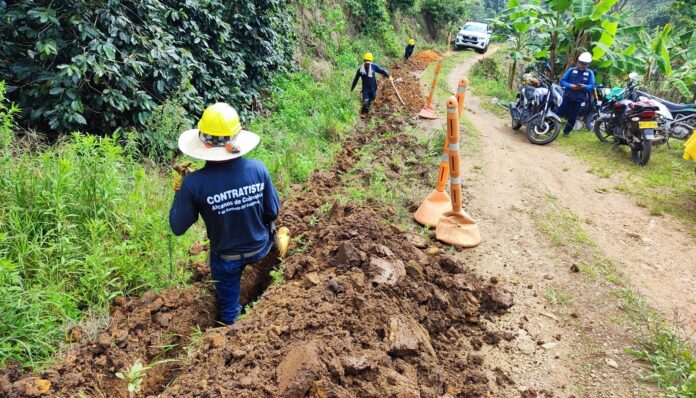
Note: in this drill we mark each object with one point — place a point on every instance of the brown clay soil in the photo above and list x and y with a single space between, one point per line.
407 82
366 309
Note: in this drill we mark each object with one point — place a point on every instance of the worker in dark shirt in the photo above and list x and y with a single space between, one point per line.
577 82
409 49
234 196
367 73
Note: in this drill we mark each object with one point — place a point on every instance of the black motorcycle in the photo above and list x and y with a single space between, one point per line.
535 108
677 120
631 123
591 109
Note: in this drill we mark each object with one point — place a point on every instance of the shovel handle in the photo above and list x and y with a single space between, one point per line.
397 93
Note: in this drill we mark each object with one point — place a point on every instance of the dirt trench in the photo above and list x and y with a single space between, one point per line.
363 311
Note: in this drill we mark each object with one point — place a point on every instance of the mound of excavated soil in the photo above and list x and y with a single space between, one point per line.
427 56
364 311
148 329
407 83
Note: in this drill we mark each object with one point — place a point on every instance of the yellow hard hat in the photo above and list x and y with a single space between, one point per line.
368 57
411 41
220 120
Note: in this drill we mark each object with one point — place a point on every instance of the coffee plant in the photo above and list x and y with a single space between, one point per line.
105 65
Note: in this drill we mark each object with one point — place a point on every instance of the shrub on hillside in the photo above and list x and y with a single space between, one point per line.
106 64
80 222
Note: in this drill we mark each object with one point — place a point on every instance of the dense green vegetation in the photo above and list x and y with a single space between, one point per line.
102 65
80 223
558 31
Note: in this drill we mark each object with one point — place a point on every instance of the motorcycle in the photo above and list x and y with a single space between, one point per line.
590 109
535 107
676 120
632 123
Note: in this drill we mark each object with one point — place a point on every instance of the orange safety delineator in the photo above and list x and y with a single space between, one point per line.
456 227
461 95
427 112
438 201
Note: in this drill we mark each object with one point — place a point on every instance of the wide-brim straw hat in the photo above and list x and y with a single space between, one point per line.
191 144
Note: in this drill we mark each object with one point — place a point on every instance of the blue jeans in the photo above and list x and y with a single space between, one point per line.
227 276
569 109
367 98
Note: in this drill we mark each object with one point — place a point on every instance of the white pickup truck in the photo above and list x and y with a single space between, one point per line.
474 35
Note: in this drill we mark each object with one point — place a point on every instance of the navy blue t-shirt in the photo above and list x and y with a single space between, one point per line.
237 201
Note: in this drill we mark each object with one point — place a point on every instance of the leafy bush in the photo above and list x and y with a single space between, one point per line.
80 223
162 130
372 18
104 64
440 14
7 122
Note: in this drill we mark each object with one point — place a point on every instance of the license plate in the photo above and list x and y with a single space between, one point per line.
647 125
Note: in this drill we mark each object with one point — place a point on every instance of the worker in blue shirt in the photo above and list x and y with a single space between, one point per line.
367 72
577 82
409 49
234 196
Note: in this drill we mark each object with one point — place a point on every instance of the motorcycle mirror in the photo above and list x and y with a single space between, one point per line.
633 76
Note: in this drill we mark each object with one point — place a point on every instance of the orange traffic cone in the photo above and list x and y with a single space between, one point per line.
438 201
427 112
461 95
456 227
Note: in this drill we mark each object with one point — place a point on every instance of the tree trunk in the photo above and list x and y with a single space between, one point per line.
511 77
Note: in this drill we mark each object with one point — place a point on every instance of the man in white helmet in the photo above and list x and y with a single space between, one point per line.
577 82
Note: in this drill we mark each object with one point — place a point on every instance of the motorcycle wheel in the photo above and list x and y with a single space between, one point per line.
590 120
640 152
601 131
516 124
544 133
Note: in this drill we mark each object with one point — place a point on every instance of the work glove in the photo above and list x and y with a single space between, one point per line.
282 241
181 171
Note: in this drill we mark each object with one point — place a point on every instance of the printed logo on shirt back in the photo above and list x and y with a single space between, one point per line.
236 199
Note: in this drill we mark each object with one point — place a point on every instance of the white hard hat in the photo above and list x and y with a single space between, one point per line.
585 57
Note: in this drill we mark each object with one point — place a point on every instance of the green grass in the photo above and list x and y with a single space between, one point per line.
80 223
303 133
491 82
557 297
667 184
664 346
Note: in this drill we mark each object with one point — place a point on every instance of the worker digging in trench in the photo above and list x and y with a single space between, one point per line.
234 196
367 73
409 49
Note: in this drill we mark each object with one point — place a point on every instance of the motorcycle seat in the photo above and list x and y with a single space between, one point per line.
671 105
